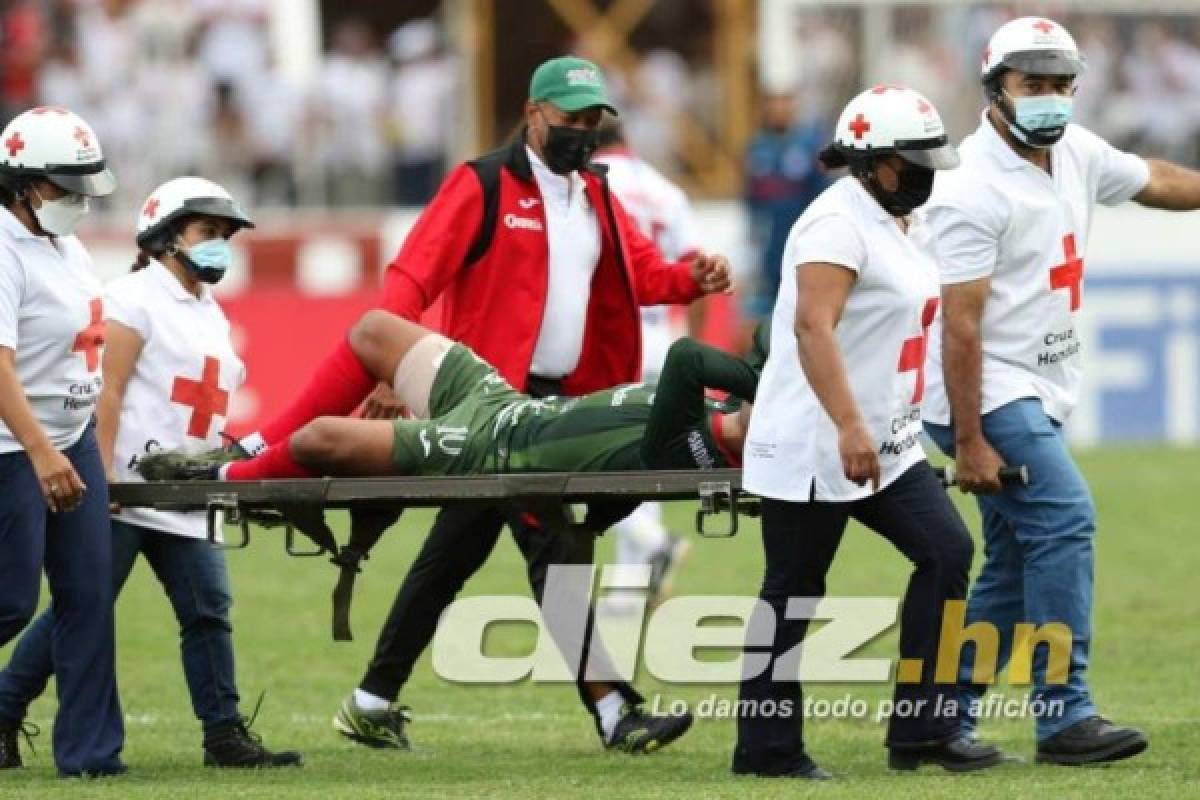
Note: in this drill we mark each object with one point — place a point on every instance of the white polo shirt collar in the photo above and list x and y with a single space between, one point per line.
13 226
173 287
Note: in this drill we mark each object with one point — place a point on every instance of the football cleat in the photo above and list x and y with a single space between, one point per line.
174 465
383 729
638 732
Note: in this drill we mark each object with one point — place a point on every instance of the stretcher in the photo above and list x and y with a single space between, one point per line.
554 500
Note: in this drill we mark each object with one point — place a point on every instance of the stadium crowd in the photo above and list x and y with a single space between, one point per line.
376 125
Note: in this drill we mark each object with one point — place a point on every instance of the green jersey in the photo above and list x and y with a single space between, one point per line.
480 424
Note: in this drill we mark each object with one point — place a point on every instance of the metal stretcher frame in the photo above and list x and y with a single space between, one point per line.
301 504
718 491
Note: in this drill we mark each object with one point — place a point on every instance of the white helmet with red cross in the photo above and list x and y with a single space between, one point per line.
1033 45
55 144
183 197
887 120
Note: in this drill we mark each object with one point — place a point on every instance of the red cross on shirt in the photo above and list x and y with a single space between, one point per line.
912 353
89 340
15 144
205 397
1044 25
859 125
1069 274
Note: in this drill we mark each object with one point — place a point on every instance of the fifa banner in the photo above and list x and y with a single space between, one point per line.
1140 330
301 280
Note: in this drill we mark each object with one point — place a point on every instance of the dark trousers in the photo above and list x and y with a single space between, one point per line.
73 548
800 541
460 541
193 574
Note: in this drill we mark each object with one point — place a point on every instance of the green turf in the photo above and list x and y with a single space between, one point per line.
533 741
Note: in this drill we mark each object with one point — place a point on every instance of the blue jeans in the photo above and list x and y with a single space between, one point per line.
193 574
73 549
1038 554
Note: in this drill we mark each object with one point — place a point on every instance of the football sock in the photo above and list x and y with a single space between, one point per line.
608 708
253 443
275 462
370 702
335 389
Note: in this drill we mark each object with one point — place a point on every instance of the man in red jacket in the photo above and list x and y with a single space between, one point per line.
542 273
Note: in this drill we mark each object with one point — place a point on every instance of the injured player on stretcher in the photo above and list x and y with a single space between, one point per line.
467 420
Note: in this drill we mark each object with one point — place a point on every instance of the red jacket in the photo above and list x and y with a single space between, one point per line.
495 304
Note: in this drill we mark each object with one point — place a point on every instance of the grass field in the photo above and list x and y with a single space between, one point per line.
534 741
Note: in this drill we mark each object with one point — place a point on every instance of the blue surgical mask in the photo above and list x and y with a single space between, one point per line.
1041 120
209 259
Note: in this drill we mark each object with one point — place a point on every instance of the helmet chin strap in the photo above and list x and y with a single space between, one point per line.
180 253
195 270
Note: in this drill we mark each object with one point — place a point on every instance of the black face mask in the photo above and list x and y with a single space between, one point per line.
913 188
569 149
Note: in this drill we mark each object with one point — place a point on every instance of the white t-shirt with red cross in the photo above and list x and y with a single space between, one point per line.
51 316
182 384
662 212
1000 216
791 450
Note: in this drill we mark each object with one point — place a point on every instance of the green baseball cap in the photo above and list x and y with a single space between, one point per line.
572 84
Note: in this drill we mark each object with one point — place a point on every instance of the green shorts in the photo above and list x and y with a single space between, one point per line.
459 438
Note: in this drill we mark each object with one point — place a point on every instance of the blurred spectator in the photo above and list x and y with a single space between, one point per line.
349 108
782 178
658 96
23 42
228 158
826 66
375 127
233 38
273 113
421 111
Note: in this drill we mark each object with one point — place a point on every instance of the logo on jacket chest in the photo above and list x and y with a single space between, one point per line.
514 222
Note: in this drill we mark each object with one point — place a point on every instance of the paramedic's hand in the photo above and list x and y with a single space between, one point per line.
113 506
977 466
382 403
859 460
60 483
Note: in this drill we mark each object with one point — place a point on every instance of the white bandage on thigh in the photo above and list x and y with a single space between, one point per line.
413 382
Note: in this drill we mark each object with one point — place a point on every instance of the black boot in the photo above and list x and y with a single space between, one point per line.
1091 741
957 755
10 754
234 745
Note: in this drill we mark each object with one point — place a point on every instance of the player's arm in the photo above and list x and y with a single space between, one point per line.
822 291
977 463
679 407
1171 187
122 347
